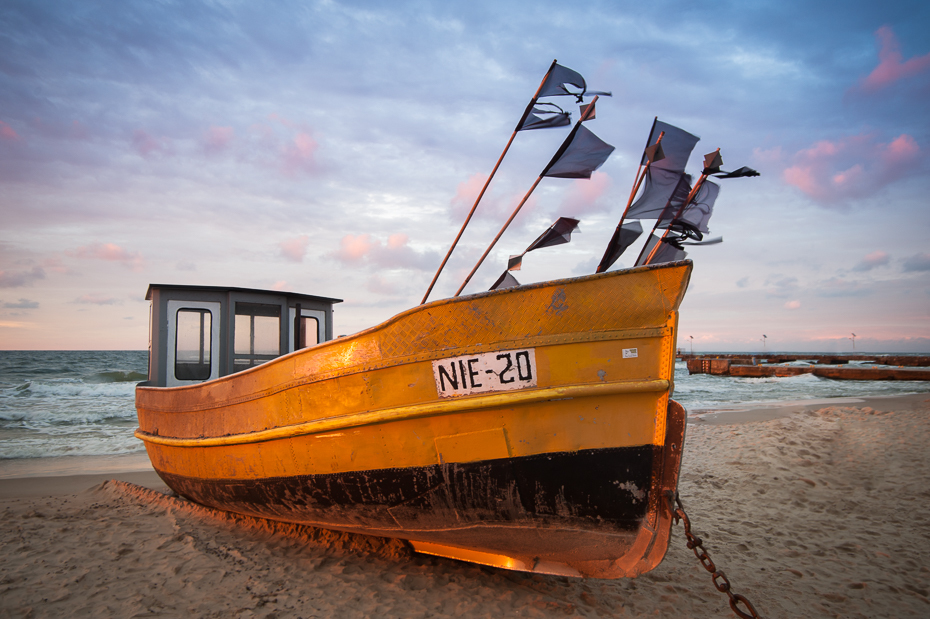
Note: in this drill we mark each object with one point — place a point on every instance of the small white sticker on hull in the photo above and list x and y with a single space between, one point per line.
630 353
503 370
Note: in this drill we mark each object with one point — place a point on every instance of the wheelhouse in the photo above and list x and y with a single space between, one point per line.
199 333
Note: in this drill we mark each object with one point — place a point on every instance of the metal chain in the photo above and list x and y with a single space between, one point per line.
720 580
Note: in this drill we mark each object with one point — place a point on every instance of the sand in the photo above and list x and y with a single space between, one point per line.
812 511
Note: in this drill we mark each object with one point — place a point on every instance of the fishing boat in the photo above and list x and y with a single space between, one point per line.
528 428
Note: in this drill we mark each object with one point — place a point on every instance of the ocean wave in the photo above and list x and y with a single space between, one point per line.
69 387
118 376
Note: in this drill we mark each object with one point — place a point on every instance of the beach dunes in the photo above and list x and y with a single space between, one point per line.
822 512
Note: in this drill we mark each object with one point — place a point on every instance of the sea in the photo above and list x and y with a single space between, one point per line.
62 404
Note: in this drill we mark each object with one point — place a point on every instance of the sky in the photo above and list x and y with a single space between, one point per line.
334 148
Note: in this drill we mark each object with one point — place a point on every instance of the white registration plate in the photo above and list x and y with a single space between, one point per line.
481 373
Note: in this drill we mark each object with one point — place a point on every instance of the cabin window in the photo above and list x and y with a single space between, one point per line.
192 344
258 334
309 332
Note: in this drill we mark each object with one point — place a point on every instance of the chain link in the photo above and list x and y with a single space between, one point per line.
721 583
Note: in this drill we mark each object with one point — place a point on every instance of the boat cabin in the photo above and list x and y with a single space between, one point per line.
199 333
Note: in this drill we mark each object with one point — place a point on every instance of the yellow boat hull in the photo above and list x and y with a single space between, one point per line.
560 461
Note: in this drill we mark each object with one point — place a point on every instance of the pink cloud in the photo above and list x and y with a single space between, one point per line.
890 68
146 144
396 254
854 167
279 285
97 299
352 249
792 305
217 139
299 155
875 259
465 195
7 132
110 253
295 249
584 195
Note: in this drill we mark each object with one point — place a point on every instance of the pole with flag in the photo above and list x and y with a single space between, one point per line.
665 156
712 163
616 246
552 84
580 154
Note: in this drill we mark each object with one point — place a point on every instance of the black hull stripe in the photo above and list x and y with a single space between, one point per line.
606 490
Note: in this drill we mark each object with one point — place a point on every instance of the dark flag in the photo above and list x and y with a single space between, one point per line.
664 173
559 77
581 153
506 280
696 214
558 233
712 162
742 172
667 252
623 237
552 116
649 209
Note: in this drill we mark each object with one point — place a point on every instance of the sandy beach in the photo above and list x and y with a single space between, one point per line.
817 510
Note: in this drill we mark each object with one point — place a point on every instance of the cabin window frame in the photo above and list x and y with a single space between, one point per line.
318 315
173 307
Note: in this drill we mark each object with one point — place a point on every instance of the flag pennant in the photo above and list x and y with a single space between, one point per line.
654 152
712 162
663 174
667 252
506 280
742 172
650 209
551 116
559 77
623 237
558 233
695 216
581 153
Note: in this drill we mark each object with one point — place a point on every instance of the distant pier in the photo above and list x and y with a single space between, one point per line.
906 367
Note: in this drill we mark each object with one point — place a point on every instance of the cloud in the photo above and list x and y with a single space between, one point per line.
792 305
583 196
396 254
97 299
279 285
465 195
851 168
890 69
8 133
917 262
111 253
779 286
295 249
875 259
22 304
743 282
353 248
217 139
11 279
145 143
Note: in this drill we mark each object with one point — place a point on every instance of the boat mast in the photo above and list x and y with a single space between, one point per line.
526 113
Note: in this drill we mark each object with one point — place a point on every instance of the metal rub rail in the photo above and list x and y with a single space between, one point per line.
442 407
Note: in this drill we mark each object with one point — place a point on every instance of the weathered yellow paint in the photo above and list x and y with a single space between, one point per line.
369 401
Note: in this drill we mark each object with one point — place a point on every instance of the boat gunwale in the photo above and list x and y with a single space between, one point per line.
418 308
415 411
